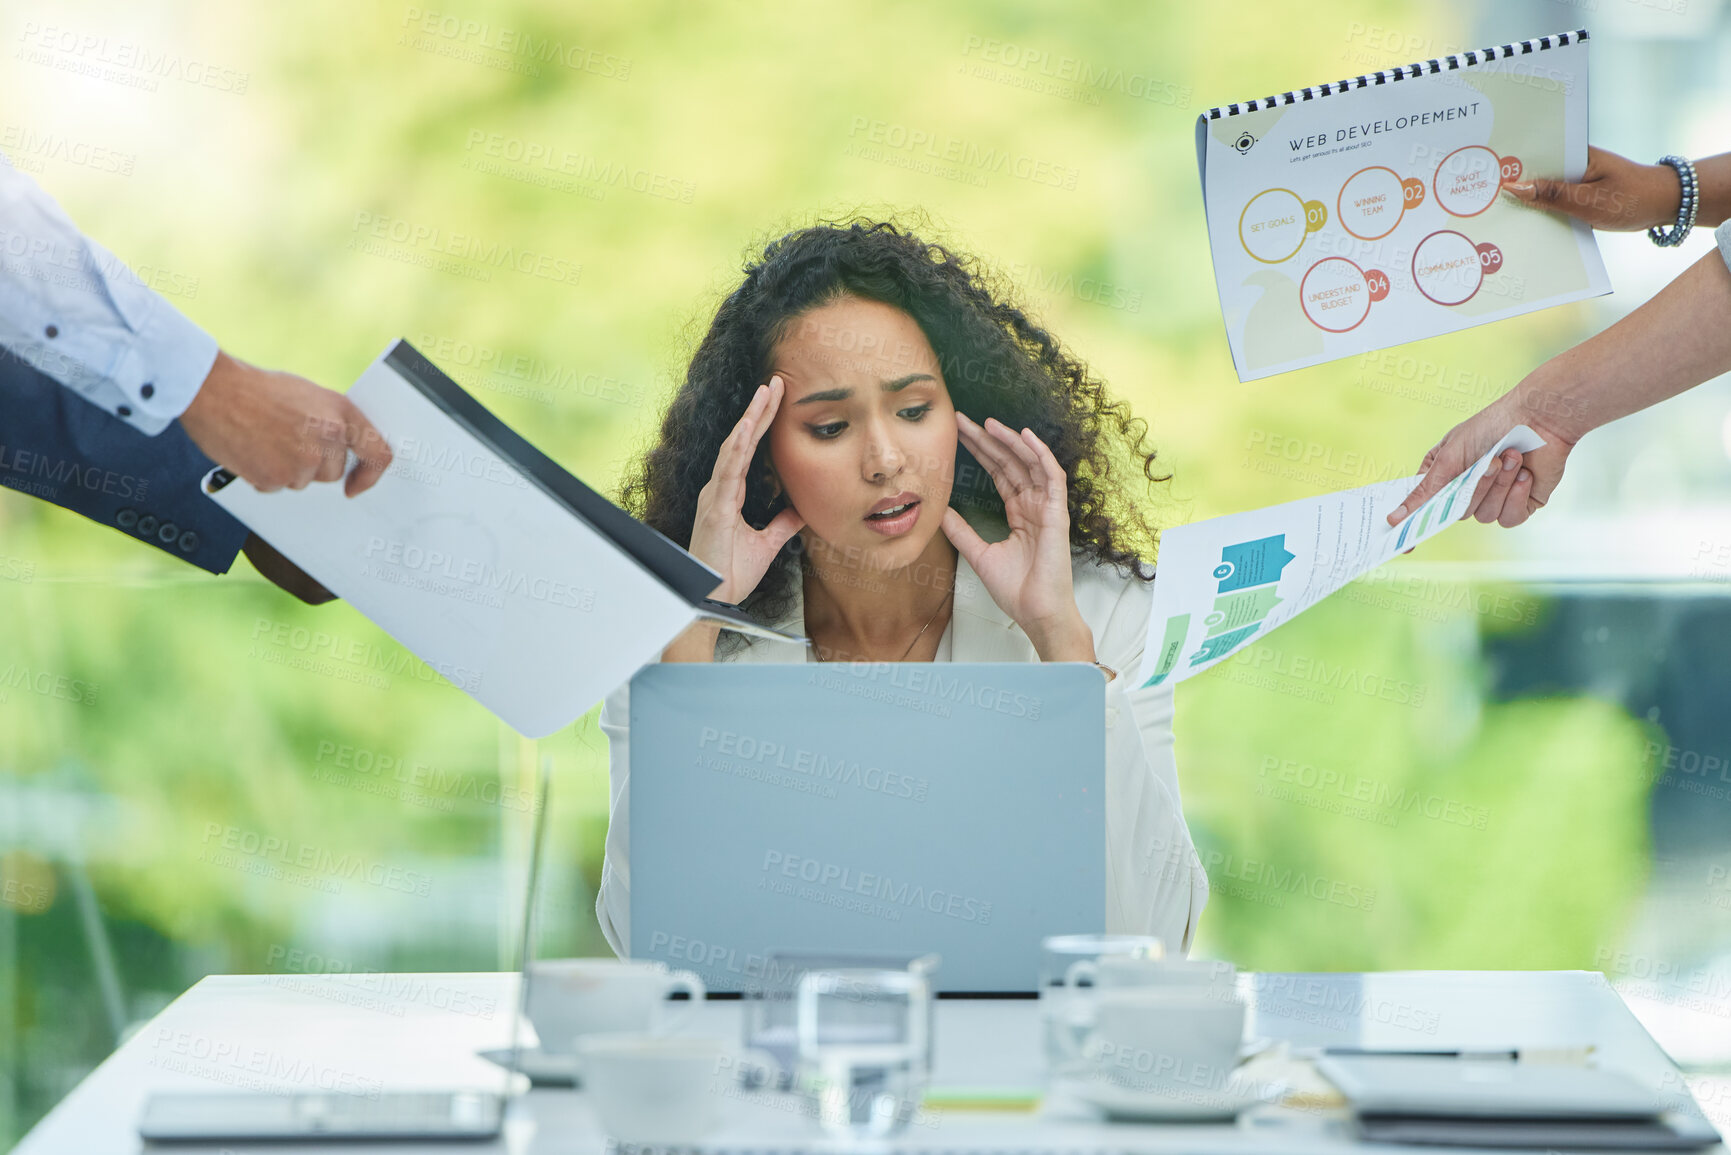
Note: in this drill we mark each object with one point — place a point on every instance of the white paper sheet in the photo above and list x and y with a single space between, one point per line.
1227 580
473 568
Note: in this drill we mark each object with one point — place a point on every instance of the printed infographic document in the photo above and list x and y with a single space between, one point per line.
1367 213
1227 580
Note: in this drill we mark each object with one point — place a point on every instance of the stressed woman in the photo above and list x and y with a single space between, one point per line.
875 451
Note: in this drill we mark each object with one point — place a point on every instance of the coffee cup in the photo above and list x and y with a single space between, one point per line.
658 1089
1165 1041
580 996
1123 972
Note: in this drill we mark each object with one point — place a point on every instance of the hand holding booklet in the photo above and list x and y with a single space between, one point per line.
1365 213
521 585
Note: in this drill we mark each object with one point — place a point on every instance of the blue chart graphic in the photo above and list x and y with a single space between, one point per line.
1244 566
1252 563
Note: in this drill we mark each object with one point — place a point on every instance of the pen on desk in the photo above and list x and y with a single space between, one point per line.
1572 1056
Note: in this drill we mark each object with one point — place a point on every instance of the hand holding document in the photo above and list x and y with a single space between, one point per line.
1226 580
510 577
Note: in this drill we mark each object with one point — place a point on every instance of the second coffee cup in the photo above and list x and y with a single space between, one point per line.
582 996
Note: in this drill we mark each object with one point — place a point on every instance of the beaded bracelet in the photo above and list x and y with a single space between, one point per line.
1672 235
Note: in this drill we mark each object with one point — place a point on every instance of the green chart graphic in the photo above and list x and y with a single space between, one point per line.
1248 574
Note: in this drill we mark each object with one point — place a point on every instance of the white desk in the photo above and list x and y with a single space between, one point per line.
402 1032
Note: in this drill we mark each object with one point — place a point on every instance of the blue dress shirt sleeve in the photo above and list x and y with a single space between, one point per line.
72 310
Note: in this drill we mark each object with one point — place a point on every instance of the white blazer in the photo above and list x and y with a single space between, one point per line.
1154 881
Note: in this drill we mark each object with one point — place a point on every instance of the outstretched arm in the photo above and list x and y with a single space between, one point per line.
72 311
1674 342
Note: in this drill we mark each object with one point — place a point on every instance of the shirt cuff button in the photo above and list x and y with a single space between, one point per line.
147 525
125 411
126 518
189 542
147 390
51 332
168 533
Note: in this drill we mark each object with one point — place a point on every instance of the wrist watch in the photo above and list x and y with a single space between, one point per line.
1107 670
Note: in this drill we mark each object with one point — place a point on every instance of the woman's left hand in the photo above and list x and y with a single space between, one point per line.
1028 573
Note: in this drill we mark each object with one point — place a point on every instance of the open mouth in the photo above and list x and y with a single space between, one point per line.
892 512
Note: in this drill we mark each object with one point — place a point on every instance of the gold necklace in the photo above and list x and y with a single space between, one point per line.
929 621
918 636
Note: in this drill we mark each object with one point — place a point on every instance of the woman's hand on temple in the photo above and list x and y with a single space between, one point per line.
720 537
1028 573
1615 193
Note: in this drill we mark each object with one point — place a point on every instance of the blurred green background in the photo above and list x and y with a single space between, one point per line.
1451 825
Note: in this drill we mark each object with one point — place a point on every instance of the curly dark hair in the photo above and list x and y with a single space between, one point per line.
996 362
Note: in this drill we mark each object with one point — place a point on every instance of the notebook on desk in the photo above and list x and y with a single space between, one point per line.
289 1115
1489 1102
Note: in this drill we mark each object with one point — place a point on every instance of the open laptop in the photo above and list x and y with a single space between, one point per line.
955 809
213 1117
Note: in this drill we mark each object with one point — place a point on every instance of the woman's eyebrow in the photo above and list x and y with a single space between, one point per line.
843 393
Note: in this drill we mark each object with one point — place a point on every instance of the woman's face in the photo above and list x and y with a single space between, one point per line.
865 423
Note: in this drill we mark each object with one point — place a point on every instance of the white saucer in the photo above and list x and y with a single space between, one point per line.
544 1070
1180 1104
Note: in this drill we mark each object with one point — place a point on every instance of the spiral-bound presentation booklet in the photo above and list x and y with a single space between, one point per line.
1366 212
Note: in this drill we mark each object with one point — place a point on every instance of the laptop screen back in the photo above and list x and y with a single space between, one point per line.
949 808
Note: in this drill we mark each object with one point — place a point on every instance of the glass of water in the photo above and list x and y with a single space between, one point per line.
772 1008
1067 963
865 1048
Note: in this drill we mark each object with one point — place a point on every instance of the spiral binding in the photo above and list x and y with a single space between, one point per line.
1420 68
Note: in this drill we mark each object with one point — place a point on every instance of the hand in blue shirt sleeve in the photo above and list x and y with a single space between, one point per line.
71 310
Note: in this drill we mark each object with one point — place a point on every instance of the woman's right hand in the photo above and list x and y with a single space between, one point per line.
721 538
1519 487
